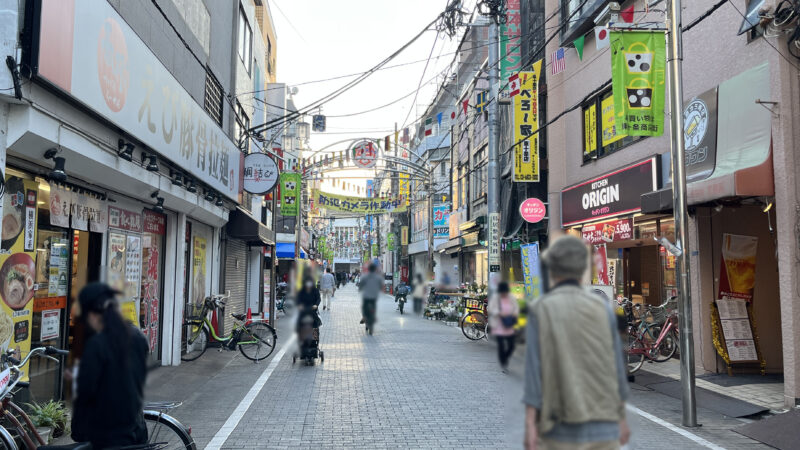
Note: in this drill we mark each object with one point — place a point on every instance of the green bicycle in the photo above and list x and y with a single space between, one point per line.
255 339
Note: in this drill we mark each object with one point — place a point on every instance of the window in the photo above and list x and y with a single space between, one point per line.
212 101
242 120
581 14
601 135
245 40
442 168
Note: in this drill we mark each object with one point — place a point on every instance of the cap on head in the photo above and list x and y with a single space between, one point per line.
566 258
94 296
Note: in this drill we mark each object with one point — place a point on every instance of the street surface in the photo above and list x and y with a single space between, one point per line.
414 384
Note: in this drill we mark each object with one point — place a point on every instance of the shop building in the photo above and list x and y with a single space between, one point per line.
742 188
121 164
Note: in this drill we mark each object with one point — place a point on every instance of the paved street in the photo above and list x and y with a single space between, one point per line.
414 384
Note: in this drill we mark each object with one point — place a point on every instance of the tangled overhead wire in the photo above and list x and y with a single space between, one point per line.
784 21
451 18
496 9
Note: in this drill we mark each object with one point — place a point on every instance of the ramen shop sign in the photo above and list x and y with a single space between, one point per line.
610 195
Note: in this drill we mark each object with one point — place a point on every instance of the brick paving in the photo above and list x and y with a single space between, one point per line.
414 384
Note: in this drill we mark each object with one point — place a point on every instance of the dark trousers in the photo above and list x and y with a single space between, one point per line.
368 310
417 305
505 348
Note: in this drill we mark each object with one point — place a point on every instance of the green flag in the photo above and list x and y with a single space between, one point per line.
290 193
638 61
578 43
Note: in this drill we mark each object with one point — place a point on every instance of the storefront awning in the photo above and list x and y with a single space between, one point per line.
743 166
242 225
285 250
451 246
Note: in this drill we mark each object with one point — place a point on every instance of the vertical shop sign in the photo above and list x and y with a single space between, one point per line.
736 285
154 226
199 270
531 270
17 267
590 131
404 235
494 242
526 127
133 273
611 132
116 261
390 242
80 212
98 215
638 61
600 272
290 193
510 45
441 216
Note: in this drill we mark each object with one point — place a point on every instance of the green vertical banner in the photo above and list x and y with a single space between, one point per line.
290 193
510 42
638 62
375 250
390 241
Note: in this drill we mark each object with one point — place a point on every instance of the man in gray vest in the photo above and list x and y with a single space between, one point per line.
575 378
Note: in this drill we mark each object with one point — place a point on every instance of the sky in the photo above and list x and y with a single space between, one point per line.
319 39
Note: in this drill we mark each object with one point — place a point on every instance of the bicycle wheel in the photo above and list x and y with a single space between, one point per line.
667 348
164 432
474 326
634 356
7 440
257 341
194 340
288 307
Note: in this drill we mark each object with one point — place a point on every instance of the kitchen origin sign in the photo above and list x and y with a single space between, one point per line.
610 195
87 50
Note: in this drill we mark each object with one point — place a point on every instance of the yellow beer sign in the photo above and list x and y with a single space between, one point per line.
526 126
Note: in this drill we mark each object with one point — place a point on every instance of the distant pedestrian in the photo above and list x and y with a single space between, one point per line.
371 285
418 294
327 286
575 378
503 312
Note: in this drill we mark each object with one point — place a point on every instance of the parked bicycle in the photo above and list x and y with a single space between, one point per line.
653 335
255 339
18 432
282 302
475 321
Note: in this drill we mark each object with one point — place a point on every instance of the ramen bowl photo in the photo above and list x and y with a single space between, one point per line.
16 280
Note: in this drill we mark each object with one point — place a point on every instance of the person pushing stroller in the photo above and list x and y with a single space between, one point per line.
308 322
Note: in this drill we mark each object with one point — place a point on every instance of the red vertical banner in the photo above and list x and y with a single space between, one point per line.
600 266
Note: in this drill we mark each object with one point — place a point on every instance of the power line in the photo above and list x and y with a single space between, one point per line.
300 35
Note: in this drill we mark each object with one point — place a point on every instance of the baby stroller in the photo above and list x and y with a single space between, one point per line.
308 341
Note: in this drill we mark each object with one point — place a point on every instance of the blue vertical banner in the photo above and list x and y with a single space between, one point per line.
441 216
531 270
370 190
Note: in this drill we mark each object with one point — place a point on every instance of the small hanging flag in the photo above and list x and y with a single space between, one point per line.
453 114
464 106
428 126
578 43
513 85
557 61
439 118
481 103
627 14
601 37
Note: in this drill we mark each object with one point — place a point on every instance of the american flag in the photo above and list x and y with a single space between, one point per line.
557 61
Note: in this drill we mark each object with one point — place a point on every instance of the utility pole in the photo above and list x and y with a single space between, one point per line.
675 62
493 241
299 202
430 223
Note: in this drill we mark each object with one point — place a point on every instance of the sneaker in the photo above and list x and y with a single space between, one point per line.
505 371
324 308
362 321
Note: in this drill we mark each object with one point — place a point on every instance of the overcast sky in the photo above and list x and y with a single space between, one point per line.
323 39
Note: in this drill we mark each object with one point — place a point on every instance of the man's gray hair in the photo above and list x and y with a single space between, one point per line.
566 258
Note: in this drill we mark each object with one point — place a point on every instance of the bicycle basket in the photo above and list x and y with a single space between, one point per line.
192 311
659 314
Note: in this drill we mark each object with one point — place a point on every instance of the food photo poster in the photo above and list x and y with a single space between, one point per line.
17 266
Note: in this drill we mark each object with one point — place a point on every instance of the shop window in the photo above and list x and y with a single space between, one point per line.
601 134
580 14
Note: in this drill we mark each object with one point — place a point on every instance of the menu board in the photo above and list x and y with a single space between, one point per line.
133 267
610 231
742 350
736 329
731 309
116 261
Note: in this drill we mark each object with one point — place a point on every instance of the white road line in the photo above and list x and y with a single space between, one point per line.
674 428
234 419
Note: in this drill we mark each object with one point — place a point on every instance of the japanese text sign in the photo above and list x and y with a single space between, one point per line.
611 231
532 210
124 219
526 127
510 43
441 215
357 205
260 173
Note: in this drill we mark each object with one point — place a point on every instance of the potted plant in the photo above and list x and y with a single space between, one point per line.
51 417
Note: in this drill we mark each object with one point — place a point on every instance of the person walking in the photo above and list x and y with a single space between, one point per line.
327 286
371 285
418 294
503 312
108 408
575 378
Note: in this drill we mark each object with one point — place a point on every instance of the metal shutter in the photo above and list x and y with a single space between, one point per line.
235 280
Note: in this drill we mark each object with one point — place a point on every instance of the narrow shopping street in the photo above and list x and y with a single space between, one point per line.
416 383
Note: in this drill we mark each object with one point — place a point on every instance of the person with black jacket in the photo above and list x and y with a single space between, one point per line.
308 300
108 408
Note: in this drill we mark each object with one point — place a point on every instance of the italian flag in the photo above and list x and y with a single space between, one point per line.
428 126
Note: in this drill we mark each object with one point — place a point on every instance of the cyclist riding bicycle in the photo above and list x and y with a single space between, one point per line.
109 403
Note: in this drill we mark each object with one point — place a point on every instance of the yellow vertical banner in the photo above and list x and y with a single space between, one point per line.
590 130
403 184
526 126
199 270
18 267
611 132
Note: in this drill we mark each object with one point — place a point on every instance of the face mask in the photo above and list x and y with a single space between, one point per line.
309 284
